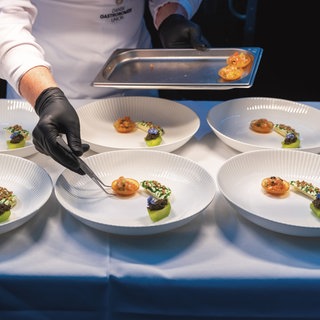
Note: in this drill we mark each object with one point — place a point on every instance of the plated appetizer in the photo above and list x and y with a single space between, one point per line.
315 205
125 186
16 140
291 141
7 201
291 136
153 138
147 125
17 136
284 129
275 185
261 125
154 131
158 209
311 191
158 204
124 125
156 189
306 188
17 128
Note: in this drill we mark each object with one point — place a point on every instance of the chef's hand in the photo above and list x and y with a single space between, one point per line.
176 31
56 117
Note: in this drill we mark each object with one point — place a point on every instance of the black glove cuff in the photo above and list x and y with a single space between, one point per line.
167 22
45 96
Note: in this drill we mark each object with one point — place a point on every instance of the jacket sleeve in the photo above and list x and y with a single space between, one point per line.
19 51
191 6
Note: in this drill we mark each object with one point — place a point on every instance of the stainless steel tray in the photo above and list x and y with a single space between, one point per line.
174 69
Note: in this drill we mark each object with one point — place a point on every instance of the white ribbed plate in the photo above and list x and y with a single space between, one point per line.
192 191
30 183
230 121
17 112
179 122
239 180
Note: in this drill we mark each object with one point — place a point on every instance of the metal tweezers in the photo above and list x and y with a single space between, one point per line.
85 168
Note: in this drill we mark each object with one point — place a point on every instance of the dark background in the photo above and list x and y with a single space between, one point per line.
287 32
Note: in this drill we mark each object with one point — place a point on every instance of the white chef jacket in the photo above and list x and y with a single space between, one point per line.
72 37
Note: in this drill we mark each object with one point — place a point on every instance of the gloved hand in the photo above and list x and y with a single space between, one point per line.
57 116
176 31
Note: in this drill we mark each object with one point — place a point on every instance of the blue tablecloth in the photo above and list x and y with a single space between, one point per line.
218 266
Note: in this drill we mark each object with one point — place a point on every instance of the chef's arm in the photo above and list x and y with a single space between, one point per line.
56 116
175 28
34 81
168 9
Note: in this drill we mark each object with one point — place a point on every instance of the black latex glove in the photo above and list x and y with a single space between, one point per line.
176 31
57 116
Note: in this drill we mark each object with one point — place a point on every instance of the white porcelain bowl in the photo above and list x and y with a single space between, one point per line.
179 122
231 119
29 182
239 180
193 188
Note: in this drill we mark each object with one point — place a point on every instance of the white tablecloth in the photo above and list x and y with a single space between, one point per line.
219 266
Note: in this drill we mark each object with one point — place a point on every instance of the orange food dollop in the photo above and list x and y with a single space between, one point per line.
125 186
261 125
239 59
124 125
275 185
230 73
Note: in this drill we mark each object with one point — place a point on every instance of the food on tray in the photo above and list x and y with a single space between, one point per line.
146 125
230 73
239 59
156 189
275 185
315 205
305 188
125 186
158 208
261 125
153 138
235 66
292 139
7 201
124 125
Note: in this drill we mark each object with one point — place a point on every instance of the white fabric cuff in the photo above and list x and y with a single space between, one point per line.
17 61
191 6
